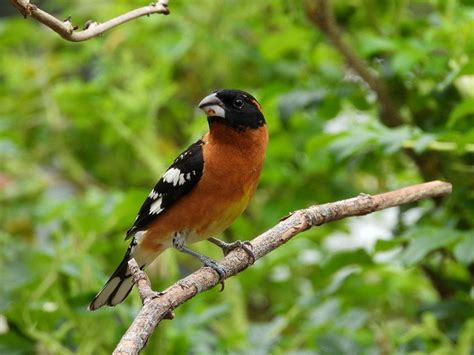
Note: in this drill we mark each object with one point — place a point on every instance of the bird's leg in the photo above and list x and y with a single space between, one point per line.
178 243
228 247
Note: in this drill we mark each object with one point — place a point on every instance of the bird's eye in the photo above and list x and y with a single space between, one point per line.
238 103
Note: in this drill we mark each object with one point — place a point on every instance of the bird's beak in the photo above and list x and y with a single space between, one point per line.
212 106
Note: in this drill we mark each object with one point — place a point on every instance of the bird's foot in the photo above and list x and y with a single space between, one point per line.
178 243
238 244
214 265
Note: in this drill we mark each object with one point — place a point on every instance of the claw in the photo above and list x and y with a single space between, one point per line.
217 268
178 243
247 246
228 247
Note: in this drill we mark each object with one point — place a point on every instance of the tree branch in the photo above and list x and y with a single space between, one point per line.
321 14
158 307
91 29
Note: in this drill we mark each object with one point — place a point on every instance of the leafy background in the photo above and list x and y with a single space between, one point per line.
87 128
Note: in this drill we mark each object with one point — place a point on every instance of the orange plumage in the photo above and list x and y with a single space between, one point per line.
203 192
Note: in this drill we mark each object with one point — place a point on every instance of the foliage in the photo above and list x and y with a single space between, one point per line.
86 129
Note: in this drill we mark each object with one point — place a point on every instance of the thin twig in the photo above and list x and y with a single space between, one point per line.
238 260
91 29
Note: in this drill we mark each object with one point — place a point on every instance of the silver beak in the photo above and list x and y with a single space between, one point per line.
212 106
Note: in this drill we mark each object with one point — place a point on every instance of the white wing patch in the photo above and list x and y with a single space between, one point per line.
180 178
156 206
153 194
174 176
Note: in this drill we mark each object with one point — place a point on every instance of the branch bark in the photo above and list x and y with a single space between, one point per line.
91 29
160 306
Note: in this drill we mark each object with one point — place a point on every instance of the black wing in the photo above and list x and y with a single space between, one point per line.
178 180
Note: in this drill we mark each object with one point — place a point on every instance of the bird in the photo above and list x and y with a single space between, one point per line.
202 192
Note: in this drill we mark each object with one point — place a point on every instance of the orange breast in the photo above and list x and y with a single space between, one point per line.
232 164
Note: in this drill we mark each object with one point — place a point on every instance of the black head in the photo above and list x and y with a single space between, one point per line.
234 108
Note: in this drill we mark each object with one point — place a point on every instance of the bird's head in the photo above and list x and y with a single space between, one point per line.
234 108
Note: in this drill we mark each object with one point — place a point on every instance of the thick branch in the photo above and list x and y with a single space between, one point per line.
91 29
322 16
158 308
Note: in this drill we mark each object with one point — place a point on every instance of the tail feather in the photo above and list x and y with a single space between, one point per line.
120 283
117 287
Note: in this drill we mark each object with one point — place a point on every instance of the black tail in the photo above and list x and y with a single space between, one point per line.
117 287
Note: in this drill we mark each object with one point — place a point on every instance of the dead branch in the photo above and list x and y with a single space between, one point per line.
160 306
91 28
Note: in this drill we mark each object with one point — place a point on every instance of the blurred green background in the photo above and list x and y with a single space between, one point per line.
87 128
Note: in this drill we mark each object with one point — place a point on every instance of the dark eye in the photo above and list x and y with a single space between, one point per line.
238 103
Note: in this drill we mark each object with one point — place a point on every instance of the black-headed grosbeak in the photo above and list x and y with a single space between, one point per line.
205 189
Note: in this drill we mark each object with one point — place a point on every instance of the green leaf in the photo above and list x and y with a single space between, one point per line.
425 240
450 309
283 43
464 250
423 142
392 139
371 44
298 100
404 61
336 344
348 258
325 312
464 110
467 69
384 245
15 344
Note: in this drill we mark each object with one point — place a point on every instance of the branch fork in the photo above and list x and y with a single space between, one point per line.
141 280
